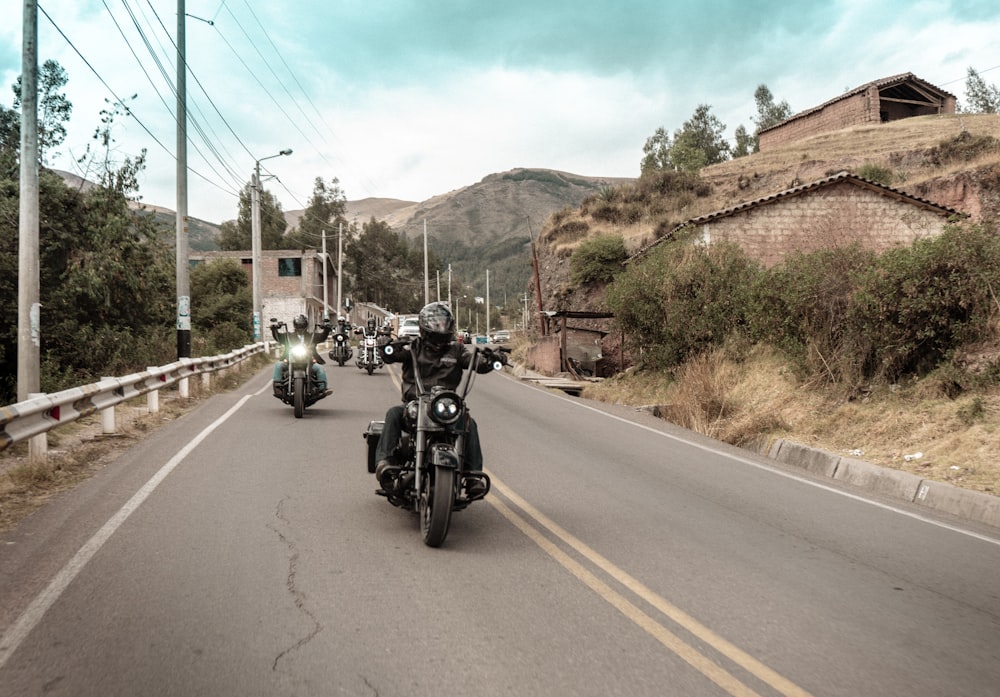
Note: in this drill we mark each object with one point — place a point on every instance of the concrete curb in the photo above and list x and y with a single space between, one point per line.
939 496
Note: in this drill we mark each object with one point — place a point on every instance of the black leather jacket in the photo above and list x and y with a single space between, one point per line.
442 368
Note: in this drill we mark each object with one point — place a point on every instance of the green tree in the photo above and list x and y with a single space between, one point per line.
656 152
326 210
221 306
238 235
385 269
106 278
699 142
982 98
53 106
745 143
769 113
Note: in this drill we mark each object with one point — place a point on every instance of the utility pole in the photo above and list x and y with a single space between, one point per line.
326 295
255 242
183 272
449 285
340 267
28 293
427 282
255 249
487 304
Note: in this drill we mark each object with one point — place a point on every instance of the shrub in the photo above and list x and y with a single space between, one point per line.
682 300
876 173
598 259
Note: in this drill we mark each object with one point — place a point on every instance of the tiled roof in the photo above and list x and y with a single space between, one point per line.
880 84
798 190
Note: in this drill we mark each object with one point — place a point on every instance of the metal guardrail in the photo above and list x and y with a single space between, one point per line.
42 413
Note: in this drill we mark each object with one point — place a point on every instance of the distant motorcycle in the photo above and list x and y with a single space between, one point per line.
369 355
433 481
341 350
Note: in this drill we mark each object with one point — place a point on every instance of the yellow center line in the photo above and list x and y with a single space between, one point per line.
655 629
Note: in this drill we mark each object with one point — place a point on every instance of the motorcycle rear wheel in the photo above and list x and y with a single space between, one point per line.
299 397
435 507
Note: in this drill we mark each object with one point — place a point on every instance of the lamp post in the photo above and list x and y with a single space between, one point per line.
255 241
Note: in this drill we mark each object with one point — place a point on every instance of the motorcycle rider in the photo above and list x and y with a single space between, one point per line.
300 327
343 328
369 329
385 333
441 361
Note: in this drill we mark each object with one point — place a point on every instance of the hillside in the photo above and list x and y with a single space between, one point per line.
940 158
486 225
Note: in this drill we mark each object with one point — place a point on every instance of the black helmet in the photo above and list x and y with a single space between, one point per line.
371 322
437 325
300 323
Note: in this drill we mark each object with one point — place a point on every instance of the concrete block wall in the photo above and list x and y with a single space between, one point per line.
856 110
834 215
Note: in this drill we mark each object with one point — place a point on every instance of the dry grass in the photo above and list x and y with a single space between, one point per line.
758 400
901 147
79 449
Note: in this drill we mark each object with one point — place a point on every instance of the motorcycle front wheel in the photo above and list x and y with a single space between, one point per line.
299 397
435 506
370 368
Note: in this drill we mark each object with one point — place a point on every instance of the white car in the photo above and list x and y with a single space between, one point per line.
409 327
501 337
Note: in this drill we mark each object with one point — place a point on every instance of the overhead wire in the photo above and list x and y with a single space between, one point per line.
166 77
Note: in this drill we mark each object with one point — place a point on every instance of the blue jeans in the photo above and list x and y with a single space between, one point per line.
319 375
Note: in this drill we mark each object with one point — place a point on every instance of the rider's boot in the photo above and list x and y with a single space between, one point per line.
387 474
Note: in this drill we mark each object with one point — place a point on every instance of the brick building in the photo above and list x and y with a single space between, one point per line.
831 212
291 281
888 99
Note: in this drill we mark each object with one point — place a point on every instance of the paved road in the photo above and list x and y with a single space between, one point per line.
241 551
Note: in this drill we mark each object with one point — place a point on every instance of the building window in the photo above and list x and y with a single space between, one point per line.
290 267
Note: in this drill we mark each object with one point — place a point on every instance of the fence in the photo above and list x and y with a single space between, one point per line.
34 417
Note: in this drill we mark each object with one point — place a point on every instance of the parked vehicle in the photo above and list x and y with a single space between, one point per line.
432 479
408 327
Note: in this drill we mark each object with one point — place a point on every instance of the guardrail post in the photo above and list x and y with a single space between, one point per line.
38 446
182 388
153 397
206 381
108 424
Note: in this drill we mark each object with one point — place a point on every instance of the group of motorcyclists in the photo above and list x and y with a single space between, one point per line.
436 353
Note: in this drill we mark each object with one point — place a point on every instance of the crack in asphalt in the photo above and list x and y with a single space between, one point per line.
298 597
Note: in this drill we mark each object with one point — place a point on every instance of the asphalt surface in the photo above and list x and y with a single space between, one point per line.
241 551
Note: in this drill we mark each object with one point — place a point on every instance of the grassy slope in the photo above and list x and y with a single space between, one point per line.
760 399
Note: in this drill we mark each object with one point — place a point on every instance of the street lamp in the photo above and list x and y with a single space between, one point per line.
255 241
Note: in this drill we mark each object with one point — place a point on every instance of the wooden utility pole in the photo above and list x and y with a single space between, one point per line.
538 282
28 293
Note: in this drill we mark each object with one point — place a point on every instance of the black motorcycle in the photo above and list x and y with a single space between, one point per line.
299 387
369 355
432 481
341 350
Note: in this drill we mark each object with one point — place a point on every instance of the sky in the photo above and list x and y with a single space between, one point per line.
409 99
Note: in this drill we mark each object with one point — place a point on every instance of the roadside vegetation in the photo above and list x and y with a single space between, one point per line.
893 358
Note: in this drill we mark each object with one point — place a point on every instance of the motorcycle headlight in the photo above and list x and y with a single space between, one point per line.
340 338
299 352
410 414
446 408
